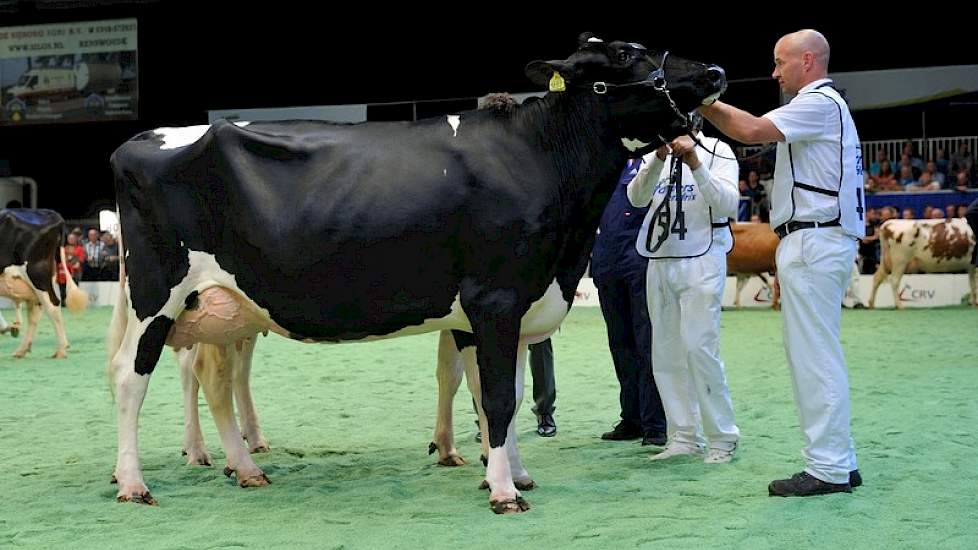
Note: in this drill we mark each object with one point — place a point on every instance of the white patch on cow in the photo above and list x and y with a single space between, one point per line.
181 137
454 121
712 99
539 322
633 144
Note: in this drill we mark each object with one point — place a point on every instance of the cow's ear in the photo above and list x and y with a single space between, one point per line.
548 74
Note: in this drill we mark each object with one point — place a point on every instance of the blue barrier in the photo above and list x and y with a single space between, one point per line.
917 201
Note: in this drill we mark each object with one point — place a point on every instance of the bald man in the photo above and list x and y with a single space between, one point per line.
817 211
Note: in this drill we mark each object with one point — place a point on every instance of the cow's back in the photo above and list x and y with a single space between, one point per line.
28 235
754 249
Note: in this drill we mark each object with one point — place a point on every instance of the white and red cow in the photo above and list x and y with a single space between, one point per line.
29 242
934 246
481 222
753 253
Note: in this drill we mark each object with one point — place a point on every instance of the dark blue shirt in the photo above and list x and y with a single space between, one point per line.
614 253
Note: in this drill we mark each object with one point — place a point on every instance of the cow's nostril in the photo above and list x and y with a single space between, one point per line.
715 74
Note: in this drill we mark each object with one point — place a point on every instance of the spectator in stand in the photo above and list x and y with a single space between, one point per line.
881 160
936 214
74 258
962 209
884 181
924 184
942 164
758 196
940 178
905 162
908 214
963 182
950 211
887 213
962 160
915 161
906 177
92 268
927 210
110 258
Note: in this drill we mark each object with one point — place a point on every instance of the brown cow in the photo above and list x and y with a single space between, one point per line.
753 253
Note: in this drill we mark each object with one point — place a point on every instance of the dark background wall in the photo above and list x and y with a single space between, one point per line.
192 59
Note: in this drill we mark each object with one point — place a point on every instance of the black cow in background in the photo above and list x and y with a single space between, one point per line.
480 223
30 240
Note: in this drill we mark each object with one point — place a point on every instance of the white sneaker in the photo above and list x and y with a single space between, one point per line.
720 456
673 450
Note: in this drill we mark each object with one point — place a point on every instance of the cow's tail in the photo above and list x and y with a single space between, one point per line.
77 299
120 319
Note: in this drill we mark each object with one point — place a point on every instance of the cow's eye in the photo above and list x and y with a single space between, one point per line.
623 57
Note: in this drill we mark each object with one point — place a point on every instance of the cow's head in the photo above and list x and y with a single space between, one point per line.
647 92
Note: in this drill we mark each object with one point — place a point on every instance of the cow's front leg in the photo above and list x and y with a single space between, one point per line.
193 438
448 371
33 316
242 353
214 374
521 478
496 329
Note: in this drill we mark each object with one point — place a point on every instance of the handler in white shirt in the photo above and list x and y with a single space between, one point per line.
686 234
817 211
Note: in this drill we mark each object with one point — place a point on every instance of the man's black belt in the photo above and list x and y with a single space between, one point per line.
717 225
786 229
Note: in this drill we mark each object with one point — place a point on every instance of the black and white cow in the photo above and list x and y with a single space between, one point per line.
479 222
30 240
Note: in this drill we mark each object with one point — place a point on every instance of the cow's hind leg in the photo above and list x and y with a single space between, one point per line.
242 353
193 438
448 371
33 316
214 374
130 369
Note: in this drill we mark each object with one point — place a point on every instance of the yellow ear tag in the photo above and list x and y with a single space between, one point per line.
557 83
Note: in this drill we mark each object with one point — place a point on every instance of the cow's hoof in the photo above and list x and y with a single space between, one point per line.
514 506
20 354
60 354
432 447
14 332
197 458
452 460
527 485
259 480
261 449
137 498
137 493
113 481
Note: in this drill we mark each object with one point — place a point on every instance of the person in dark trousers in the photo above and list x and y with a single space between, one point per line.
619 275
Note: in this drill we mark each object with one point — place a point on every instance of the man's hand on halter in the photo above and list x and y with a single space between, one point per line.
684 147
